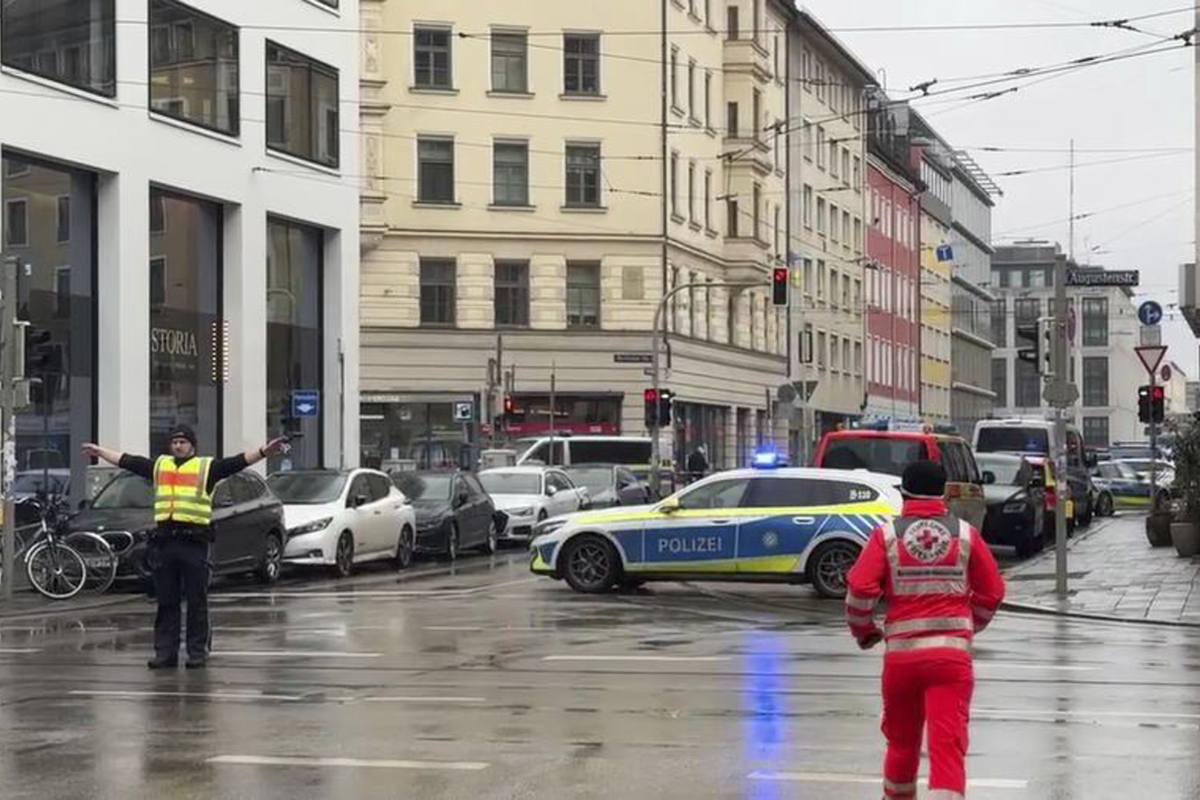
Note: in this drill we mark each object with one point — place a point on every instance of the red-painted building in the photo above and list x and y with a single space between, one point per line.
893 270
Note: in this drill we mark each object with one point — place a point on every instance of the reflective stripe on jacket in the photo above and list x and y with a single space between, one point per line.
181 491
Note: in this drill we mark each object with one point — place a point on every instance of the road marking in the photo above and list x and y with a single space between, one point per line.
1017 665
671 659
417 699
366 763
465 628
833 777
15 651
132 694
349 594
1084 713
293 654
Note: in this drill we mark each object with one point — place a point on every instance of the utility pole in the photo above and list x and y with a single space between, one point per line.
9 331
553 371
1061 398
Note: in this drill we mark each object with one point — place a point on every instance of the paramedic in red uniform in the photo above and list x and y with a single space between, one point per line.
941 587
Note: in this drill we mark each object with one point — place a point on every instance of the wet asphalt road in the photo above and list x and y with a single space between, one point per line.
484 682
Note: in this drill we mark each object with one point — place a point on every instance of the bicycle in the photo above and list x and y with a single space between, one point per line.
61 566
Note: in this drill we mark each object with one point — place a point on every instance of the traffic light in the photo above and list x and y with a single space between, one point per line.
651 408
1039 337
779 286
509 406
665 398
43 364
1151 401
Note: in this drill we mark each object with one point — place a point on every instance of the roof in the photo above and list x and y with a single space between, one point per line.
833 43
525 469
861 433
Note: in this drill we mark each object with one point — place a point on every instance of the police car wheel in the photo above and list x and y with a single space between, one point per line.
590 564
829 565
1104 506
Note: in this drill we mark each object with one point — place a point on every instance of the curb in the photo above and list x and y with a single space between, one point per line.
52 611
1045 611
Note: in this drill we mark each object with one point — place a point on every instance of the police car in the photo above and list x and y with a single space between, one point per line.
786 525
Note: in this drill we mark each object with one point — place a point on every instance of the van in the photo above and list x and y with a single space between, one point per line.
1033 437
890 452
628 451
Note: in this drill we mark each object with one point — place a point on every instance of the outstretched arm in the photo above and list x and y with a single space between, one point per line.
103 453
271 448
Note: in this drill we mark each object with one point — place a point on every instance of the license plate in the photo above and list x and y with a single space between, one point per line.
98 563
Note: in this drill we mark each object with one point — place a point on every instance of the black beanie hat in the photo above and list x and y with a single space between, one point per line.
924 480
183 432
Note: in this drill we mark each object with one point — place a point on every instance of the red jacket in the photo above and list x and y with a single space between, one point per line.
937 575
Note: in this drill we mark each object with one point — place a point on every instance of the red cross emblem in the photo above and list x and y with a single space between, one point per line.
927 540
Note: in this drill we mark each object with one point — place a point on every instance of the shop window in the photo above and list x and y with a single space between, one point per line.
295 339
69 42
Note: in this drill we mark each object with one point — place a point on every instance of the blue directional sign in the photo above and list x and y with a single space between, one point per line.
945 253
306 403
1150 313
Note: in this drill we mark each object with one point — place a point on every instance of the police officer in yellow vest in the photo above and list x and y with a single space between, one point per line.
183 490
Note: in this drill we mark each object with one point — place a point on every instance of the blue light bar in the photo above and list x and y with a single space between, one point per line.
766 459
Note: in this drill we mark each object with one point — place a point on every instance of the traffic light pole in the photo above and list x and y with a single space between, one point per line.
1153 446
656 362
1061 364
8 455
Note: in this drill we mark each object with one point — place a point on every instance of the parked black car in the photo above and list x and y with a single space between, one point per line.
247 526
1016 504
609 485
453 510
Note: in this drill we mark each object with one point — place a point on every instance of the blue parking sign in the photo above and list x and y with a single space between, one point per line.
306 403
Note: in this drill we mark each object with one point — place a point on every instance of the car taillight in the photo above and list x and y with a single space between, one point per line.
1051 499
954 490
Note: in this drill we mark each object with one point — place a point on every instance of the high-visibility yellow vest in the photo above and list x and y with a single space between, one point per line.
181 492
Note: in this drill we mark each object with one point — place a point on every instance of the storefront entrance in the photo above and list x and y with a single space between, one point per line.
407 432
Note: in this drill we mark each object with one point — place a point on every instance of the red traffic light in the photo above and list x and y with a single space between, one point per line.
779 286
651 395
781 274
1158 393
509 406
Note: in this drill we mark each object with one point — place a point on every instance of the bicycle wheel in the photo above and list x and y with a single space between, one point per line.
56 570
99 557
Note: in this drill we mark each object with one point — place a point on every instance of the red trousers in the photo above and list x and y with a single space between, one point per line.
930 689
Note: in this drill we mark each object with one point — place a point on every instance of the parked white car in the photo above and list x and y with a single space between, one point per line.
338 518
529 495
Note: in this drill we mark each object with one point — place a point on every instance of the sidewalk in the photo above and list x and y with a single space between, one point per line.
1113 572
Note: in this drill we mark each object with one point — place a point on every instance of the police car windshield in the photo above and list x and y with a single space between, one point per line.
1013 440
595 479
126 491
886 454
307 488
511 482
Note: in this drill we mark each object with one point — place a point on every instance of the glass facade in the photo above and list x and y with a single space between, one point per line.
193 67
302 106
187 333
56 294
295 278
68 41
413 432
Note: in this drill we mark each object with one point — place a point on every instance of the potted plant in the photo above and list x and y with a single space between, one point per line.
1185 491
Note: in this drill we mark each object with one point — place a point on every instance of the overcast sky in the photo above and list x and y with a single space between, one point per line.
1140 103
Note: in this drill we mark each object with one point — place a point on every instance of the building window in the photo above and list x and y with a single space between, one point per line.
512 294
821 351
692 88
821 229
295 336
60 301
187 367
1000 322
807 210
731 221
1029 385
62 233
691 191
72 43
510 62
675 79
731 120
435 170
510 173
756 117
820 147
1000 381
674 187
708 100
757 213
16 223
583 175
1095 322
821 273
1095 380
833 158
1027 310
193 67
708 199
438 290
581 63
1095 432
302 106
845 167
583 295
431 52
857 174
756 23
731 22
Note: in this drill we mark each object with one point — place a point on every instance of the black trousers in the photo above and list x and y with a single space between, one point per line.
181 572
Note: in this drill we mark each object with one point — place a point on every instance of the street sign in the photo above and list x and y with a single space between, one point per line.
1061 394
633 358
306 403
1101 277
1151 336
1150 313
945 253
1166 373
464 411
1151 356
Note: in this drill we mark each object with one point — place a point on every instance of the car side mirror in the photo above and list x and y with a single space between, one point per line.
360 500
460 499
551 491
669 506
989 477
1091 459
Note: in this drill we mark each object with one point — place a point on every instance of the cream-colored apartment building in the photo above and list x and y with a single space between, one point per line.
827 245
528 192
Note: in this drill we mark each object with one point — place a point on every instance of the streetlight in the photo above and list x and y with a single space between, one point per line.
656 346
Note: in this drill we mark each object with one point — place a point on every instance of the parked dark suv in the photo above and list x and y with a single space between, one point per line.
247 525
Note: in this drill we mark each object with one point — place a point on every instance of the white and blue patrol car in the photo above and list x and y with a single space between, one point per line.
787 525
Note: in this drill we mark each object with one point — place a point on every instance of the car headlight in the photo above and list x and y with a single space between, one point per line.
523 511
549 526
310 527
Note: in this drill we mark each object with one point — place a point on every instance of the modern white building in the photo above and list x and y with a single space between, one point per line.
173 192
1103 363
